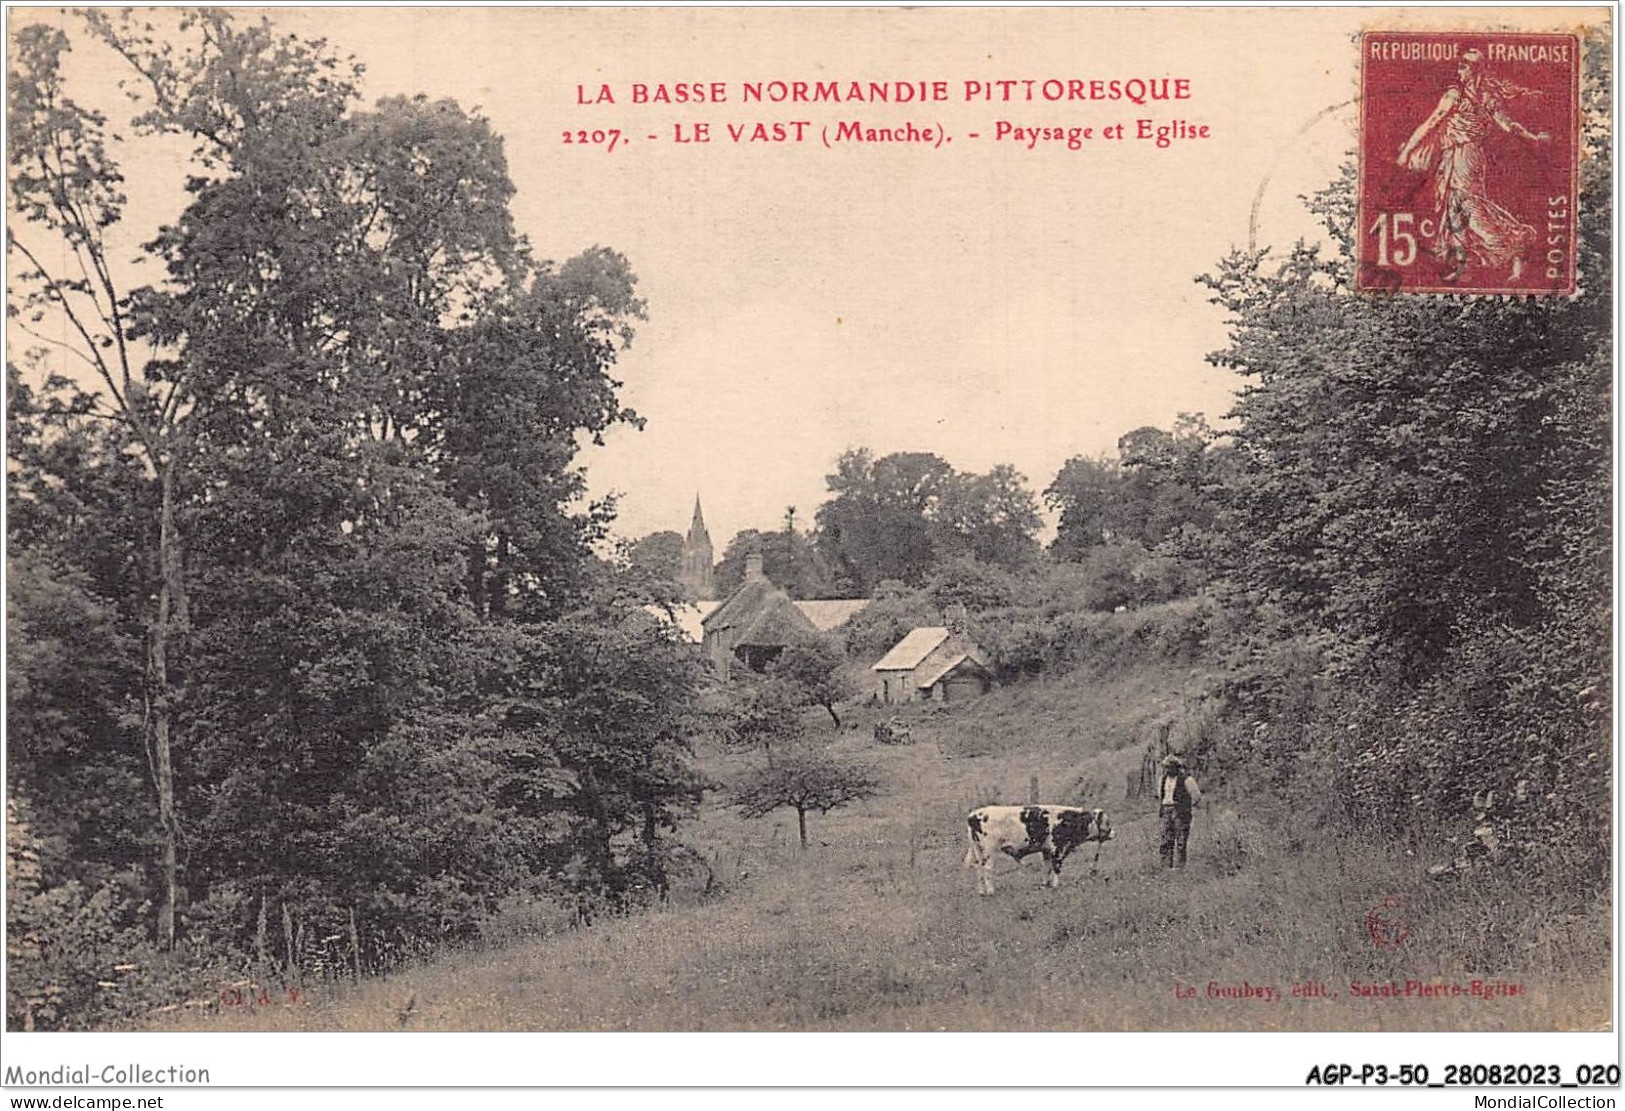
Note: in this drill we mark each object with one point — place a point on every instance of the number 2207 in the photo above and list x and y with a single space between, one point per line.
608 138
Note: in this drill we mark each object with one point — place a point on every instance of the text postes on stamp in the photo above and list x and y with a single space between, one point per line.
1469 148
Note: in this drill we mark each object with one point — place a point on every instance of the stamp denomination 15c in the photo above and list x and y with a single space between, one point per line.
1469 154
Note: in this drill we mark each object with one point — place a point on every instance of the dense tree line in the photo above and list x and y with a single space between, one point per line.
1160 491
898 516
895 518
1416 527
791 558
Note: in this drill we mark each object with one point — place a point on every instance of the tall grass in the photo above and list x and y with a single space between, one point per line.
877 927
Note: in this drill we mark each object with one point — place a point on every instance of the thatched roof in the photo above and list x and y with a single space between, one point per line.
760 615
742 606
779 624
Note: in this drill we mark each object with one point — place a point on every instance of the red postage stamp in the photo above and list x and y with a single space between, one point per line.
1469 151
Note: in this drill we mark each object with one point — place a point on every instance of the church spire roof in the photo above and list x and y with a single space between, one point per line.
698 574
697 526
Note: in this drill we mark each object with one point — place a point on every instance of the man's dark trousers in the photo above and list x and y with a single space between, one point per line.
1176 832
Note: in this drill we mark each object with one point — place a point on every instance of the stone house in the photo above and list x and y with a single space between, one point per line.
938 663
754 624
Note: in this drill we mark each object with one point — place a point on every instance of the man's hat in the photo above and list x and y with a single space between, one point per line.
1173 760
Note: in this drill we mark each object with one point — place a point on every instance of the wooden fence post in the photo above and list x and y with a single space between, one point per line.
1032 791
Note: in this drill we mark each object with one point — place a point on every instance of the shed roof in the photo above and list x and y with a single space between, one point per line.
933 675
908 652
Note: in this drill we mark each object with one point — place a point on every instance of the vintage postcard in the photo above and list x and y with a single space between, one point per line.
1044 521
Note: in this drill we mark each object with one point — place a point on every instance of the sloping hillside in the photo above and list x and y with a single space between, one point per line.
877 926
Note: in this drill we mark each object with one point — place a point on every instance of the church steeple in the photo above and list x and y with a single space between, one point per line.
697 574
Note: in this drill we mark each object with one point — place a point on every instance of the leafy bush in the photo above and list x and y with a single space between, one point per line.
763 713
1126 574
818 669
76 955
1026 641
888 619
968 582
1018 640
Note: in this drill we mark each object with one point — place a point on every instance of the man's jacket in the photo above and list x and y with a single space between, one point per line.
1185 793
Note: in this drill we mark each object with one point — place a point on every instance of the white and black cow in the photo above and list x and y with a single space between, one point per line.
1020 831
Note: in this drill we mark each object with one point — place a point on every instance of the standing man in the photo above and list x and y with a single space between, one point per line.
1179 796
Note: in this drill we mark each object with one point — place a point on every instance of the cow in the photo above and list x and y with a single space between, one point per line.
1020 831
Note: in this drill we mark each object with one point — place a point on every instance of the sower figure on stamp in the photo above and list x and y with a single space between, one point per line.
1450 146
1178 796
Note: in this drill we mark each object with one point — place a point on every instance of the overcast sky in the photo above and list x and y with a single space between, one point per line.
983 301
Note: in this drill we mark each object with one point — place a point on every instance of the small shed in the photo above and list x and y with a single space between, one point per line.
955 680
938 662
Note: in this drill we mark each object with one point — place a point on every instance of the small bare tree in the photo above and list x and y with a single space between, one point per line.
807 779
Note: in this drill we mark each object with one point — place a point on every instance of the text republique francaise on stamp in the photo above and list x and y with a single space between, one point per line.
1469 151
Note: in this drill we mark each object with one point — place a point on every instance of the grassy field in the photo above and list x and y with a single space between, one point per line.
877 925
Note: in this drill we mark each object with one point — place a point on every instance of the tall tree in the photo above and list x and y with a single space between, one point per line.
990 517
1161 488
789 560
879 522
66 188
659 553
528 376
1086 493
373 542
